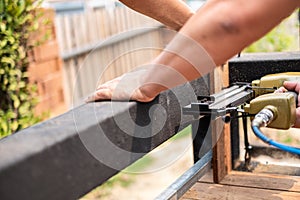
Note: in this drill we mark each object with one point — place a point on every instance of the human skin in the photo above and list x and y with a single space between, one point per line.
221 27
172 13
293 86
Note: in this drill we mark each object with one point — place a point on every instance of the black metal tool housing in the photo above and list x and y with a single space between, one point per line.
221 103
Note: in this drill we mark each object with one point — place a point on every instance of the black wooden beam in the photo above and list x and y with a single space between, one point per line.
66 157
253 66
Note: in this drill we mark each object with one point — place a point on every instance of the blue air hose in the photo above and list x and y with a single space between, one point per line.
263 118
260 135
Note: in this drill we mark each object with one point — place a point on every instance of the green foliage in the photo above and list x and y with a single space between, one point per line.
17 20
275 41
281 38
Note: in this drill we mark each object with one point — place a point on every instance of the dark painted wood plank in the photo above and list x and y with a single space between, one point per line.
65 157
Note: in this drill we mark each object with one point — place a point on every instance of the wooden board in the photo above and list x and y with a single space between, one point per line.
221 161
267 181
243 185
224 192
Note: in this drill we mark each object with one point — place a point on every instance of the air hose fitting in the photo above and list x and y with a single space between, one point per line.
262 119
265 116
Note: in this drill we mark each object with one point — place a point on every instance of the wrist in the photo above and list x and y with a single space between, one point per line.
151 90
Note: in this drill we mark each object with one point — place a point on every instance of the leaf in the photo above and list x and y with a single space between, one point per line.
9 19
11 115
13 86
28 17
25 75
14 46
15 73
24 108
21 7
8 60
4 126
11 39
23 96
14 126
5 80
21 84
2 6
2 27
17 103
3 42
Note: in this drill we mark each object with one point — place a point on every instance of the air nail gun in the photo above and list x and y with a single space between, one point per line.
256 100
283 105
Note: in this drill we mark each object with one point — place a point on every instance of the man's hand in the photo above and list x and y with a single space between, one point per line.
293 86
107 91
123 88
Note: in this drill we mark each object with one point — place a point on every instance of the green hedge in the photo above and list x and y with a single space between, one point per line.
18 19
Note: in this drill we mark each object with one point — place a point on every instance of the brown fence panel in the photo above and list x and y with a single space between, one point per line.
99 45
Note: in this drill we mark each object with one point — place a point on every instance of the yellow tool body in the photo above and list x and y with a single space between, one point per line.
283 105
273 81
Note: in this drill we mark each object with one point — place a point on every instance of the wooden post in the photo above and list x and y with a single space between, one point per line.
221 133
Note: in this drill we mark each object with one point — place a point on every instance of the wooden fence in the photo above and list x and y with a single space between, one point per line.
100 44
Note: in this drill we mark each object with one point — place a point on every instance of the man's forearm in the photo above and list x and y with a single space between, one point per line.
219 30
226 27
222 28
172 13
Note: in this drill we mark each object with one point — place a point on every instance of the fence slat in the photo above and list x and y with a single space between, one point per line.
80 34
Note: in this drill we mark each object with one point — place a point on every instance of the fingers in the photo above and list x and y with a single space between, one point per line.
100 94
281 90
297 122
104 91
292 85
107 92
